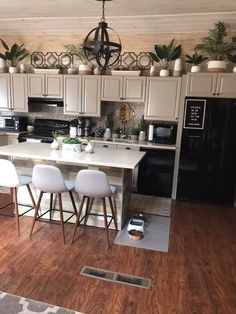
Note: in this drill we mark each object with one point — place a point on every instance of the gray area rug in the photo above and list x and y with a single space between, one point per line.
12 304
156 235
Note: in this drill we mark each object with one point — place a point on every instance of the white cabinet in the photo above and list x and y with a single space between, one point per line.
5 98
82 95
13 92
117 88
211 85
3 139
19 92
162 99
12 139
45 85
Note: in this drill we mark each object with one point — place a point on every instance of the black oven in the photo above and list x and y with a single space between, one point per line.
165 133
13 123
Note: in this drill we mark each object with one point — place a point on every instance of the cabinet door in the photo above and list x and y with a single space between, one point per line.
201 84
19 92
54 86
12 139
91 95
72 94
5 101
226 85
112 88
163 96
36 86
134 89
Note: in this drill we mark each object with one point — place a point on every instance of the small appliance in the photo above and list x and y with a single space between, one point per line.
13 123
136 224
165 133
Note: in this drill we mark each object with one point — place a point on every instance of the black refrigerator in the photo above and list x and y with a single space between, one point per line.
208 151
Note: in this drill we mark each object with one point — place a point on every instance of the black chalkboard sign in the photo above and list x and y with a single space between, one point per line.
194 113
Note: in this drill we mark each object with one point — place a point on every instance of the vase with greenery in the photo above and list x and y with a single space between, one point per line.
196 59
165 55
13 55
116 130
217 45
55 144
232 58
72 144
79 53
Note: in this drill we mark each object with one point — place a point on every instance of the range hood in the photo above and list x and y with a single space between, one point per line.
54 102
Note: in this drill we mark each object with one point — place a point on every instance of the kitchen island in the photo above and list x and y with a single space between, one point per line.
118 165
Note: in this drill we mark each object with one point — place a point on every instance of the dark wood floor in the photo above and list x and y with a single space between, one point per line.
197 275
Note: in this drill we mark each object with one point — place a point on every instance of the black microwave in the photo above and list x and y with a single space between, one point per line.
13 123
165 133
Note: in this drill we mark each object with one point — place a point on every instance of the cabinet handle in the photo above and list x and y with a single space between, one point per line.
213 94
122 98
105 146
81 112
217 94
127 148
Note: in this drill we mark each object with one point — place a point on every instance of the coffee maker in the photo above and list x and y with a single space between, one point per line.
84 127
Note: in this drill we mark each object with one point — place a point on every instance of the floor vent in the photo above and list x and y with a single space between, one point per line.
116 277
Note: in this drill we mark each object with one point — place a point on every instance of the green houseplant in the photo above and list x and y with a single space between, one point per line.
13 55
80 54
196 59
165 55
217 45
72 144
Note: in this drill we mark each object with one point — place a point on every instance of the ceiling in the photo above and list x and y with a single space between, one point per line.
125 16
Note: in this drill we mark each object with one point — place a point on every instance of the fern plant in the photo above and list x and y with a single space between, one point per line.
216 44
166 54
79 53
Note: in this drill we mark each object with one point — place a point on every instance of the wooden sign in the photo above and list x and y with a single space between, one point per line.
194 113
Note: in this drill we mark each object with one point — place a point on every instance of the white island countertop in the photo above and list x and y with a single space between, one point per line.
101 157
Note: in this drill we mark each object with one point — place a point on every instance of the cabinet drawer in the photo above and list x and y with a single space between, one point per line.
127 147
105 145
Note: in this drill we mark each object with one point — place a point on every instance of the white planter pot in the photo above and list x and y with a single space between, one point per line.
71 148
164 72
72 70
234 69
89 148
195 68
85 69
13 70
216 66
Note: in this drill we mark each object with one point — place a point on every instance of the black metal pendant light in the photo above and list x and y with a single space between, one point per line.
97 43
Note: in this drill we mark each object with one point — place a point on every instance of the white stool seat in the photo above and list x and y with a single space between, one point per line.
10 179
94 184
49 179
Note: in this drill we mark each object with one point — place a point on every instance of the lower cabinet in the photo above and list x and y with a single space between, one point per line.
3 140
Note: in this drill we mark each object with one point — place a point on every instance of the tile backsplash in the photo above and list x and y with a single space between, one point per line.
107 109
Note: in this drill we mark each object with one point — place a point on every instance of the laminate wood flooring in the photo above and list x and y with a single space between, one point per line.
197 275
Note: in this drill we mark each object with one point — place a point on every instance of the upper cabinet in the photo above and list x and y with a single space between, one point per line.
13 92
82 95
128 88
19 92
211 85
45 85
162 98
5 97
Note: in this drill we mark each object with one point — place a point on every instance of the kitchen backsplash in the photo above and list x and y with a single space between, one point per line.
107 109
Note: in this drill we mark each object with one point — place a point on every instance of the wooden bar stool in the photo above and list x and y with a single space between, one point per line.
49 179
94 184
10 179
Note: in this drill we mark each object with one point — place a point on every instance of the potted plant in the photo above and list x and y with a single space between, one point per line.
134 134
13 55
116 131
218 47
165 55
79 53
54 144
195 60
72 144
232 58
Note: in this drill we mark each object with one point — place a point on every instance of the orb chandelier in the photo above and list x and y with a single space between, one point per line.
98 45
